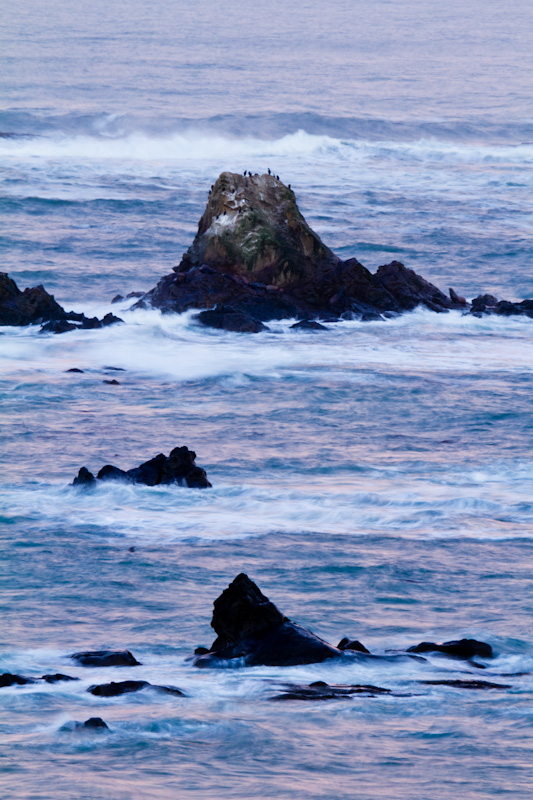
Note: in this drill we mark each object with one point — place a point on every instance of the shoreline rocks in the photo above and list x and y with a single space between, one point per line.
178 467
35 306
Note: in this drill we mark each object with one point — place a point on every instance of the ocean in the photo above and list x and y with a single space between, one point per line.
373 479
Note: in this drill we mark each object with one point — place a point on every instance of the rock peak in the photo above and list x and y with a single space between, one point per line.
252 228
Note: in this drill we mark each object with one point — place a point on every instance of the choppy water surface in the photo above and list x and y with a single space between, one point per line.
375 479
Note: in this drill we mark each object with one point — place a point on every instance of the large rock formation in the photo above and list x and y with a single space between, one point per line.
255 254
250 627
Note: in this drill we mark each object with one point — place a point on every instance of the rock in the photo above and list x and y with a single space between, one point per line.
92 724
319 690
57 678
255 253
85 478
27 307
308 325
126 687
178 467
105 658
250 627
74 369
230 319
347 644
117 299
58 326
114 689
8 679
110 319
455 298
466 684
112 382
461 648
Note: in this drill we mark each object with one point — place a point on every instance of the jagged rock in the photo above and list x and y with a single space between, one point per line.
178 467
250 627
117 299
230 319
8 679
460 648
114 689
255 252
57 678
27 307
353 644
319 690
105 658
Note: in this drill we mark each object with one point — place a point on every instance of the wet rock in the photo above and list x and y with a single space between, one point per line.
59 326
8 679
230 319
112 382
117 299
309 325
347 644
110 319
115 689
250 627
178 467
460 648
92 724
319 690
105 658
84 478
255 253
57 677
455 298
467 684
28 307
74 369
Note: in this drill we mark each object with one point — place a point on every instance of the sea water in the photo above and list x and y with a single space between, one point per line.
373 479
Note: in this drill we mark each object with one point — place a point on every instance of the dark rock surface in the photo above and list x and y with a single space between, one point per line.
57 677
467 684
460 648
115 689
8 679
105 658
250 627
353 644
319 690
178 467
309 325
35 305
92 724
230 319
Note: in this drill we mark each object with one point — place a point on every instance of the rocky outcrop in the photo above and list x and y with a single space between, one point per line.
488 304
105 658
460 648
250 627
255 253
178 467
96 724
36 306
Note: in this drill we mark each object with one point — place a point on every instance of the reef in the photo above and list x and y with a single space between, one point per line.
178 467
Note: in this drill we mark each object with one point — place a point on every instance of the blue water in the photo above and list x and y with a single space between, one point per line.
375 480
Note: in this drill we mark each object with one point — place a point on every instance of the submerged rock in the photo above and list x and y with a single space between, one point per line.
115 689
105 658
353 644
319 690
8 679
92 724
250 627
230 319
178 467
459 648
57 677
467 684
